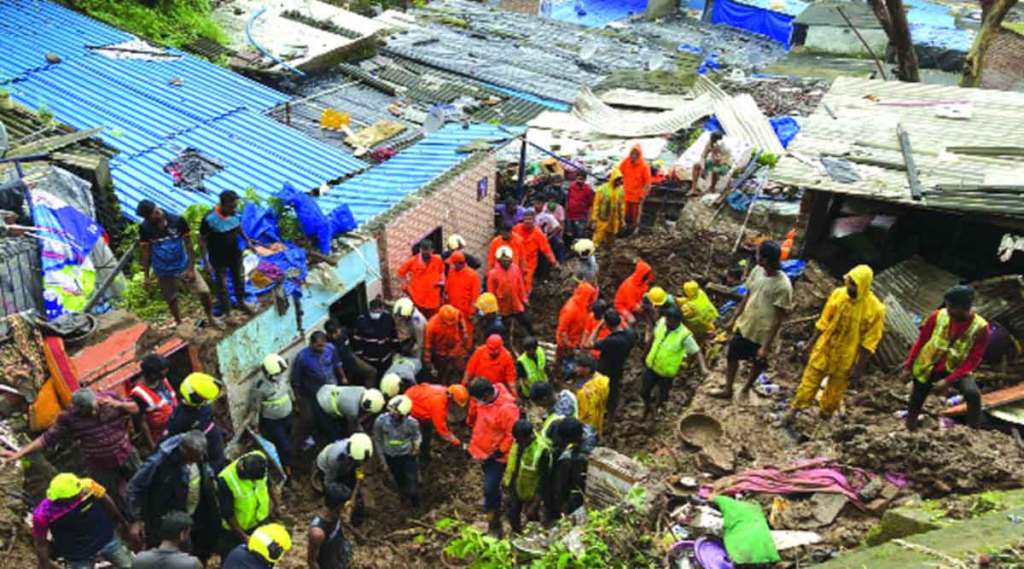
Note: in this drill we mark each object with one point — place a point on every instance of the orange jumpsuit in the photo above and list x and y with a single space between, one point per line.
514 242
461 290
446 343
534 243
426 281
629 298
509 288
574 320
636 179
495 369
430 403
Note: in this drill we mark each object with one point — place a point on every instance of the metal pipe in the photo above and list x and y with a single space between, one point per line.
263 51
521 176
121 264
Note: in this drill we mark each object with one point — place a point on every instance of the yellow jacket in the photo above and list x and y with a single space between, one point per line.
609 212
592 399
848 324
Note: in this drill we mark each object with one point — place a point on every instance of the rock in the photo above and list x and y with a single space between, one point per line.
53 58
827 506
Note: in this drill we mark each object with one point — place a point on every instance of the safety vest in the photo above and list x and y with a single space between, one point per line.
529 467
536 370
939 346
252 497
667 350
158 409
278 404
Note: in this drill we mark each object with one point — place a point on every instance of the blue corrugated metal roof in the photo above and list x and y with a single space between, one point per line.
147 118
378 189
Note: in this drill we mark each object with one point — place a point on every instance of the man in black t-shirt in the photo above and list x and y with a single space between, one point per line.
166 244
218 238
614 349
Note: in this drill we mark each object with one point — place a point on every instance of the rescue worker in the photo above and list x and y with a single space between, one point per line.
652 307
349 404
457 244
493 362
314 367
556 407
462 288
636 184
672 343
422 277
392 384
567 482
505 238
491 419
375 336
82 521
198 392
264 549
613 353
699 313
506 282
948 349
397 437
155 397
846 335
246 502
327 547
609 212
531 366
535 243
573 320
431 406
529 463
410 325
758 318
408 372
177 477
446 345
270 404
591 393
630 295
586 262
488 320
342 462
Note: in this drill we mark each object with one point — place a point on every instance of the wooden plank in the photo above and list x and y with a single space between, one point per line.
991 400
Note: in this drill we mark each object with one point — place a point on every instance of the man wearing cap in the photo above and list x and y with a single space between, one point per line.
155 397
98 424
177 477
446 344
462 287
81 518
422 278
349 404
493 362
398 437
586 266
505 238
271 407
198 391
219 234
431 406
265 548
175 536
243 488
411 325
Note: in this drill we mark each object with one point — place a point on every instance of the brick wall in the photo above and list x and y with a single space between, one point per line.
523 6
1003 67
453 206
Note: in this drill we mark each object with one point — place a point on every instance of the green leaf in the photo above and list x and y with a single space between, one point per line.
444 523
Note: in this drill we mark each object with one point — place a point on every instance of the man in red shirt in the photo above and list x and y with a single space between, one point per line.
492 419
492 362
423 279
949 348
534 243
578 202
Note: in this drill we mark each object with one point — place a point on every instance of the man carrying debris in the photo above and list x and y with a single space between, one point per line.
493 362
845 337
715 159
672 343
165 242
608 214
949 348
491 419
446 345
218 241
431 406
397 437
636 184
506 282
758 318
375 336
462 287
630 295
535 243
314 367
529 463
422 278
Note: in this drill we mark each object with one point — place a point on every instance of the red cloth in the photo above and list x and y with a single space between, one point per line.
956 329
630 295
509 288
462 288
534 243
579 201
636 177
575 317
492 426
514 242
444 339
430 403
495 369
426 280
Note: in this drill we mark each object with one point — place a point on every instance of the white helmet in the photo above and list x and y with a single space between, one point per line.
360 447
583 247
504 252
400 404
404 307
372 401
455 242
274 364
390 384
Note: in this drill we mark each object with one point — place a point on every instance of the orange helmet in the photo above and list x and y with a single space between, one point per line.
449 314
459 393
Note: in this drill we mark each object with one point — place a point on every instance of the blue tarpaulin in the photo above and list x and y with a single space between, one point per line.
774 25
786 128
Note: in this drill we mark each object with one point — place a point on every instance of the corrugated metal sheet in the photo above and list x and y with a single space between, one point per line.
866 115
151 109
740 116
378 189
606 120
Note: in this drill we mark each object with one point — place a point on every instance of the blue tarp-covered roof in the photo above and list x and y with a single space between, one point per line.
152 108
378 189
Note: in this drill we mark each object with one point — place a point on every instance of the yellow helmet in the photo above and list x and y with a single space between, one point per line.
274 364
390 384
456 241
487 303
199 388
64 486
404 307
690 289
360 447
372 401
400 404
270 542
583 247
657 295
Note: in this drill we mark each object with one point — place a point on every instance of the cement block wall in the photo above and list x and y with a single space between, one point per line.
1003 67
842 41
454 206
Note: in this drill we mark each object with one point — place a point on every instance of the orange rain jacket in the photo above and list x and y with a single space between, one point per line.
574 320
426 280
495 369
509 288
514 242
636 177
492 425
430 403
462 289
446 335
630 295
534 242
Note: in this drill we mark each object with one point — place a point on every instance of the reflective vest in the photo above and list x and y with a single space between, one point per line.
536 370
667 350
939 346
278 403
158 409
529 464
252 497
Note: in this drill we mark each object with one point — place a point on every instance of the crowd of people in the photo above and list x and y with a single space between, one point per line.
456 357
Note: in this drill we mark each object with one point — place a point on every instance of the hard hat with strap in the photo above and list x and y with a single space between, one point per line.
360 447
391 384
274 364
199 388
251 497
270 542
404 307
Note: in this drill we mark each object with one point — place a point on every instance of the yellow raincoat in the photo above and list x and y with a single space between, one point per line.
592 399
846 325
699 313
609 211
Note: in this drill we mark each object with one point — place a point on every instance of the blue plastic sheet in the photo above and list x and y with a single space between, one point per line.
259 224
786 128
710 63
933 24
314 224
793 268
774 25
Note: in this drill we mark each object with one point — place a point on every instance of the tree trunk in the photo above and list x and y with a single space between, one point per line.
893 18
992 22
